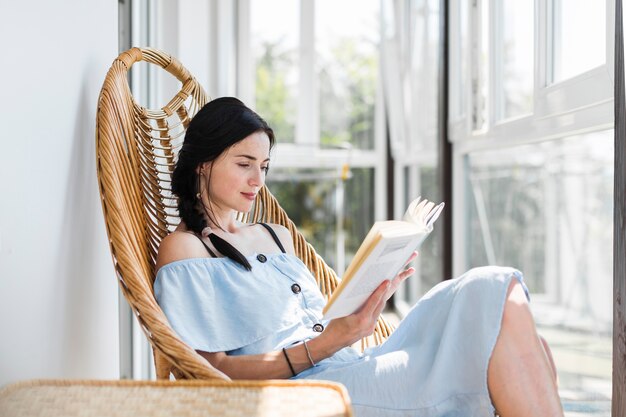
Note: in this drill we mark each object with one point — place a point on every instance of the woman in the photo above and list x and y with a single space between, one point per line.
238 295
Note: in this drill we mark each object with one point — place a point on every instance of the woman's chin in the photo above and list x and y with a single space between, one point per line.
245 207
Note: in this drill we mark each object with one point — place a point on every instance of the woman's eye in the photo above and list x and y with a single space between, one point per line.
267 168
244 165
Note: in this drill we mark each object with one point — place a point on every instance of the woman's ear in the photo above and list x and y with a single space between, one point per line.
203 168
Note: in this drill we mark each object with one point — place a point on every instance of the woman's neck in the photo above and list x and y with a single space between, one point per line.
230 225
223 220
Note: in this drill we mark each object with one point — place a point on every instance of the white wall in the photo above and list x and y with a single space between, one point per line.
58 293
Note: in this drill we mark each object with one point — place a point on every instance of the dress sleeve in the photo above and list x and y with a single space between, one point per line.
216 308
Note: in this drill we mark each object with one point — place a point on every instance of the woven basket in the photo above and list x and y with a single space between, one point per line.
136 153
66 398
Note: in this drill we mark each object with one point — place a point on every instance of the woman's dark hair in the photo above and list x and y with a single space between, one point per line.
220 124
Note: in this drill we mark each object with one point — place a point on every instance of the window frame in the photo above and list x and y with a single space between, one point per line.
578 105
619 244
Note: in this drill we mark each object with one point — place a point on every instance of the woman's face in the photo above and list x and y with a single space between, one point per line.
238 174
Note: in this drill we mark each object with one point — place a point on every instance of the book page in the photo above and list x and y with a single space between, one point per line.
381 266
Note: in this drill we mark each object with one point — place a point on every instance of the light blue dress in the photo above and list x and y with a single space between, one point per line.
434 364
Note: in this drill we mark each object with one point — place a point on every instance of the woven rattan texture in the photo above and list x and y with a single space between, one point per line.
136 152
181 398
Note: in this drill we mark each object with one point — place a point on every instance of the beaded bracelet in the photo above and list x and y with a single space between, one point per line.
293 372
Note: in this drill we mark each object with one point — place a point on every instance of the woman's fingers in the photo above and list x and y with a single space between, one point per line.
412 257
378 308
376 299
402 275
367 315
406 273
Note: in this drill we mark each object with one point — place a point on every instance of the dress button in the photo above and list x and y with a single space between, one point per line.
261 258
296 289
318 328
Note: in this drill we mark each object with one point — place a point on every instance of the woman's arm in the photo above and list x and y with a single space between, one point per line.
273 365
338 334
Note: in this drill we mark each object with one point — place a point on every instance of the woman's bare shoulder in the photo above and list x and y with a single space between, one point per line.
179 245
284 236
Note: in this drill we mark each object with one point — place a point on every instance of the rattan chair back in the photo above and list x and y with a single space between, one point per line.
136 152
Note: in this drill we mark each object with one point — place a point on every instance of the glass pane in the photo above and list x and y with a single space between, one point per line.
425 48
274 43
333 215
576 50
547 209
347 66
358 210
480 114
515 58
430 266
422 180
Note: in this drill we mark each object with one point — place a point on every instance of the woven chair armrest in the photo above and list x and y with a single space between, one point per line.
276 398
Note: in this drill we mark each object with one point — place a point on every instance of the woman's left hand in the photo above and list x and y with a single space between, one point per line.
402 275
344 331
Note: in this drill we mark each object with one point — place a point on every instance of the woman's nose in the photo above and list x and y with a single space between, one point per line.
258 178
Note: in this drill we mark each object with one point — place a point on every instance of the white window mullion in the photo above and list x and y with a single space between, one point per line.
610 39
222 43
308 124
545 46
459 214
549 41
380 149
466 63
456 117
226 59
493 70
398 186
552 270
475 59
245 61
497 81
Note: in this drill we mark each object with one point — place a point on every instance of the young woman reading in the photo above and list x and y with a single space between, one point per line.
238 295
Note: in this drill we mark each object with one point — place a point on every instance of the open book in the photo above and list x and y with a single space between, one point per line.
383 253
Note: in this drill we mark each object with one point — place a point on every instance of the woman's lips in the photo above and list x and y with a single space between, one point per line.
249 196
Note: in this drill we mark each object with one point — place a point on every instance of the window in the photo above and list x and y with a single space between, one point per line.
412 78
317 83
514 58
533 184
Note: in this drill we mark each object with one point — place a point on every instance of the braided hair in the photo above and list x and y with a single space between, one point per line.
220 124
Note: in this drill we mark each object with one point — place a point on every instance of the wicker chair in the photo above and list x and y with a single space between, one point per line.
136 153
